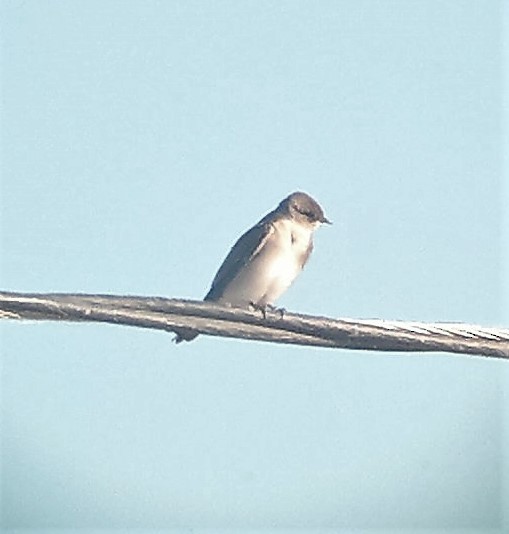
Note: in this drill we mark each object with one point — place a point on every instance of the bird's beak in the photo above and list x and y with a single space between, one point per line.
325 221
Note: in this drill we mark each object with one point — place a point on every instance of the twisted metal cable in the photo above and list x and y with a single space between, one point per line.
217 320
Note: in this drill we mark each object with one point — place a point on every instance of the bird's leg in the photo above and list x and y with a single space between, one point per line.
259 307
275 309
264 308
281 311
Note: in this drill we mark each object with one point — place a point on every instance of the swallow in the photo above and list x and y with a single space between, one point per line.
267 258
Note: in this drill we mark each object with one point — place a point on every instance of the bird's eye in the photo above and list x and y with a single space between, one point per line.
304 212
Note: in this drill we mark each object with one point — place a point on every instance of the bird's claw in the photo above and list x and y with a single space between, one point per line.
264 308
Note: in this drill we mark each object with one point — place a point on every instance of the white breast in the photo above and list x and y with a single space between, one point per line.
274 268
292 241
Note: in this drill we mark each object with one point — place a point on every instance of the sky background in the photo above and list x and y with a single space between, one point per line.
139 139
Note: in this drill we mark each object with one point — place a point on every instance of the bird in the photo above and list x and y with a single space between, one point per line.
266 259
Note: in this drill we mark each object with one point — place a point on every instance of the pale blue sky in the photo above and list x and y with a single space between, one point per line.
139 140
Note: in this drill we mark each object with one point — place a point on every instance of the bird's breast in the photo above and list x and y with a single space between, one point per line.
285 258
286 254
272 270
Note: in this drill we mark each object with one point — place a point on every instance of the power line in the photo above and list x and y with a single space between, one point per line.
217 320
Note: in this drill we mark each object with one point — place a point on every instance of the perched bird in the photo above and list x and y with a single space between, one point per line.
267 258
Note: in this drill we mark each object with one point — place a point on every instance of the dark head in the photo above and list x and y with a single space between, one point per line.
304 209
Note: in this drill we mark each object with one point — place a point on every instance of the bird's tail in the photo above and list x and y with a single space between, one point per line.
183 334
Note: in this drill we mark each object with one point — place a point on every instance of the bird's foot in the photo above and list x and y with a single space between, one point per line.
264 308
275 309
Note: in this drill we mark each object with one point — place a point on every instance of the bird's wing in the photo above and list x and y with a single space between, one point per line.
244 250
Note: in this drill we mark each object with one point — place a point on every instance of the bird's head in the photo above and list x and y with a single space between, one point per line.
304 209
